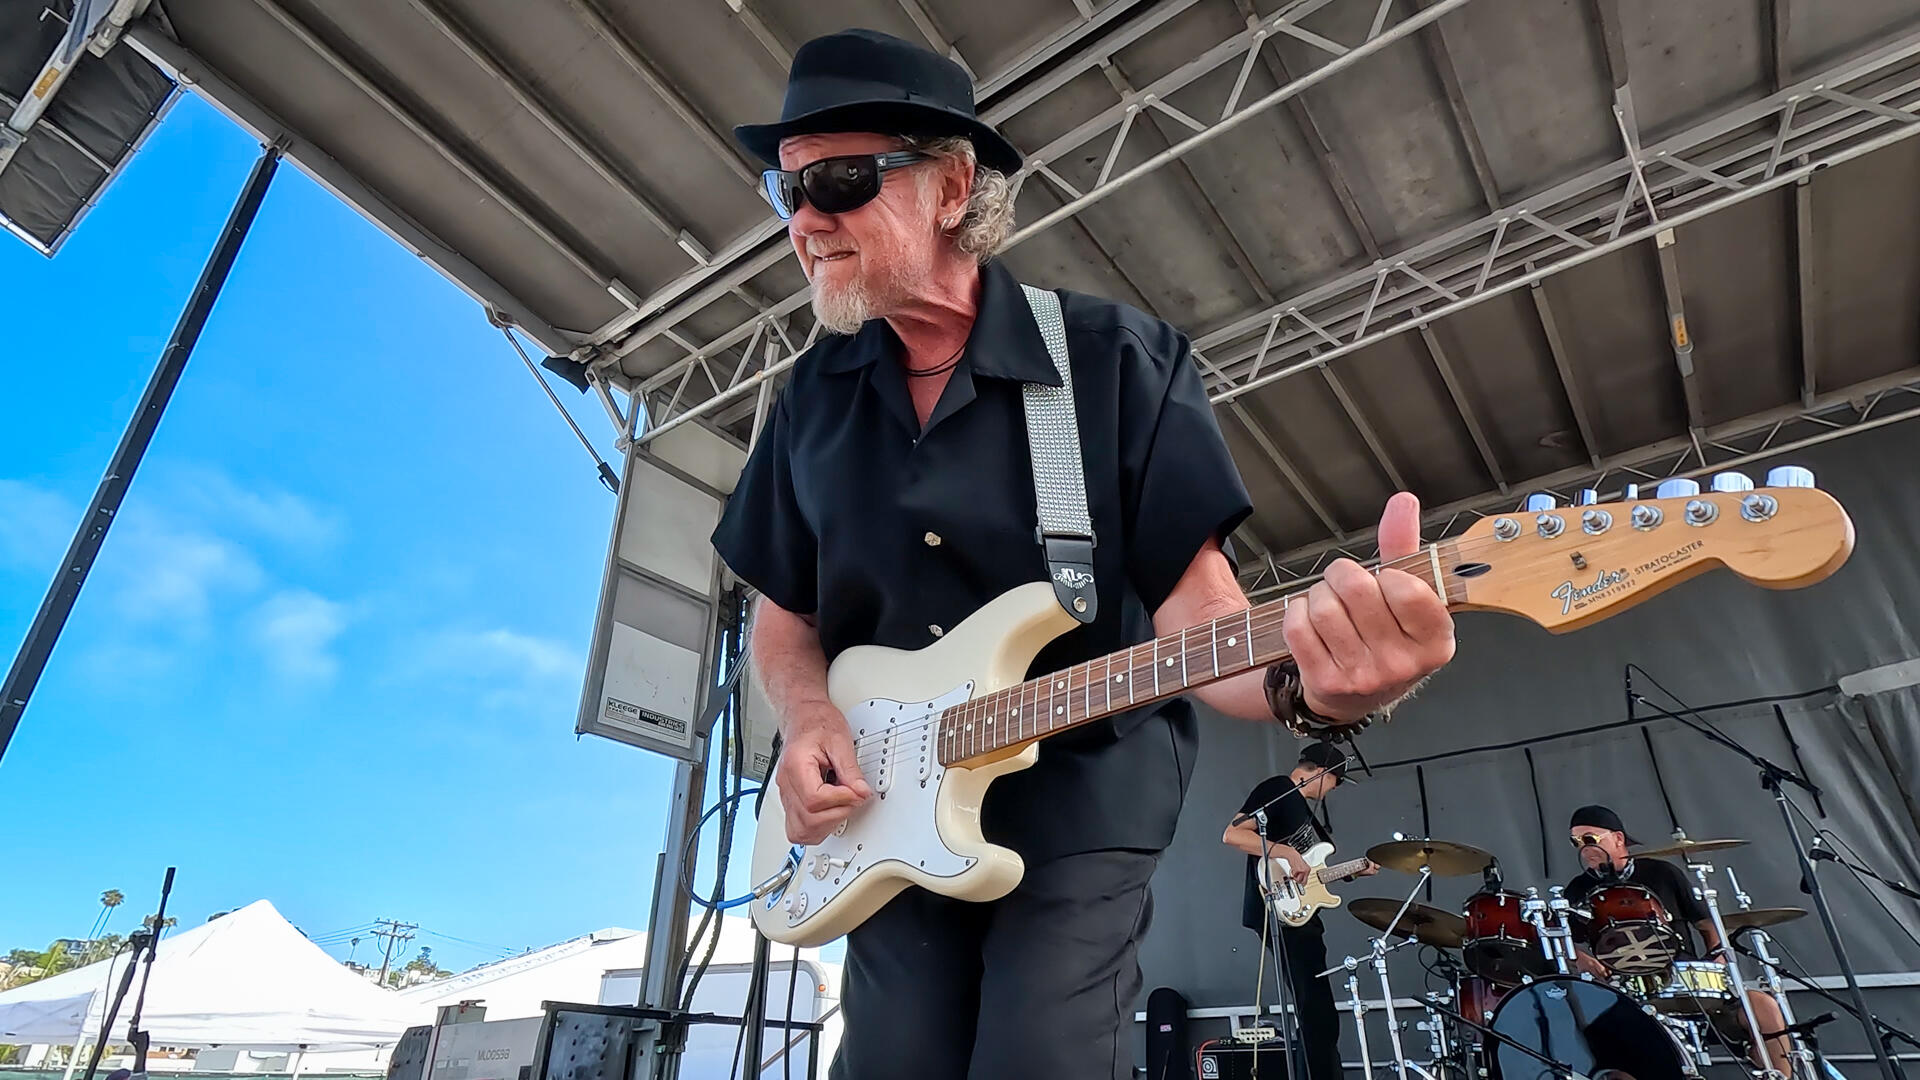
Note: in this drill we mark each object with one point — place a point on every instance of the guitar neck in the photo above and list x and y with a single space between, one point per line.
1151 671
1339 870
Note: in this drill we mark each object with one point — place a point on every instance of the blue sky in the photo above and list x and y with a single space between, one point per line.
331 653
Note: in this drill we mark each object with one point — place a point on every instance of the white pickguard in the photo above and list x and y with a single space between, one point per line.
1288 897
896 741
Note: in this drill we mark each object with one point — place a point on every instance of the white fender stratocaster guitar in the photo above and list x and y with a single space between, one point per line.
1294 903
934 727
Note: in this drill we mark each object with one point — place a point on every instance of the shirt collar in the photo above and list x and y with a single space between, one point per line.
1005 341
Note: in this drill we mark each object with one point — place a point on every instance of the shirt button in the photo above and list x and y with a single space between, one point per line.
934 630
932 539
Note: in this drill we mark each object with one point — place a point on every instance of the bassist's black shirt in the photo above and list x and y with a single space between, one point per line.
1291 821
891 535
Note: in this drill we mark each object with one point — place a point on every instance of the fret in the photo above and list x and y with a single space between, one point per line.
1129 675
1086 689
1184 680
1106 685
1249 638
1156 667
1213 628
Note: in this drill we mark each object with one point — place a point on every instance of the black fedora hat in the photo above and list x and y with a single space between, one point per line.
864 80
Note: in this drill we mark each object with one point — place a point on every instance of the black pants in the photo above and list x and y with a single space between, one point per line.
1040 983
1306 950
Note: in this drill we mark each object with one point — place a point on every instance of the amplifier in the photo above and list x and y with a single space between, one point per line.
1224 1059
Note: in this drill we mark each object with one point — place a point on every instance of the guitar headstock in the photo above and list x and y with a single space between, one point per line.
1565 567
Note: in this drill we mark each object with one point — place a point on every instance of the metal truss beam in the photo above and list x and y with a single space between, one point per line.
1605 15
1465 408
1806 298
1434 39
1887 400
1700 171
1563 363
770 37
936 37
1118 119
698 122
1367 433
548 233
1286 468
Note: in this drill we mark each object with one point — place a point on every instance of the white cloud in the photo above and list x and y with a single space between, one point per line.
212 495
35 526
295 629
162 571
507 652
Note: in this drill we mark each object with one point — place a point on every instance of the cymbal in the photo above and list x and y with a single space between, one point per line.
1687 848
1429 925
1444 857
1761 916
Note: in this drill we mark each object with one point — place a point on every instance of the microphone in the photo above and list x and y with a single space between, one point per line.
1490 880
1804 1027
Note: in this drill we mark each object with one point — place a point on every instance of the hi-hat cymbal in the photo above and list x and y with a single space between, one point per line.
1444 857
1687 848
1761 916
1429 925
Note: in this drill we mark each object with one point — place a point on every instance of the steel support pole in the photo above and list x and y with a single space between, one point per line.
31 660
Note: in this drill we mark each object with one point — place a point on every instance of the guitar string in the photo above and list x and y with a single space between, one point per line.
1255 626
1263 624
1260 625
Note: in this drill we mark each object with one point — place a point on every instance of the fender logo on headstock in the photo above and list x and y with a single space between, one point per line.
1570 594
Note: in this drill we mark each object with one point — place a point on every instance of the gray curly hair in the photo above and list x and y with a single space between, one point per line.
988 220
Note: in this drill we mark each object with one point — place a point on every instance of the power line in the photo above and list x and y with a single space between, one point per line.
502 949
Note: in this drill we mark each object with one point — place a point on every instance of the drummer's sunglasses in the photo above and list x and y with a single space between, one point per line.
1585 840
833 185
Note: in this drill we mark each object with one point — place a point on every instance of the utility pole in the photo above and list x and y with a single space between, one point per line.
394 933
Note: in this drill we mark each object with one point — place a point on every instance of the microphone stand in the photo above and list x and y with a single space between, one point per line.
1292 1034
146 943
1559 1067
1885 1033
1772 777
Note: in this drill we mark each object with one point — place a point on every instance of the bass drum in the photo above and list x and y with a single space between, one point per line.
1595 1030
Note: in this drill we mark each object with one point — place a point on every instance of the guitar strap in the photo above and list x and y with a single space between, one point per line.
1065 531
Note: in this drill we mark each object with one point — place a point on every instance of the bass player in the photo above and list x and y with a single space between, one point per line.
1291 805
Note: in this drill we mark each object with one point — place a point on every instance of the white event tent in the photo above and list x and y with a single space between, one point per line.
246 980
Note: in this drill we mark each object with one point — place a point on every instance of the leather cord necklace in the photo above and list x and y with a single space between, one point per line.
942 368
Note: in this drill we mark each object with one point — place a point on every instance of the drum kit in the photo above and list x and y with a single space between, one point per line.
1518 1005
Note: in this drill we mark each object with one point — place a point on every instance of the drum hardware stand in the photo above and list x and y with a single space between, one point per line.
1557 942
1887 1033
1769 982
1360 1024
1437 1044
1378 953
1772 777
1710 897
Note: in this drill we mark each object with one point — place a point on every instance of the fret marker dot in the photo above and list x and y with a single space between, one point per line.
1015 712
1059 686
1061 710
1231 641
1119 678
1169 661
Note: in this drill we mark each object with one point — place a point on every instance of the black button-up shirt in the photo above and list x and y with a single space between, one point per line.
890 534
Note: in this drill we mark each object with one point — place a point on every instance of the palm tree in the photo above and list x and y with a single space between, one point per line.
109 900
168 925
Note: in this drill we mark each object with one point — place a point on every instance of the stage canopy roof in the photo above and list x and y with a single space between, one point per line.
1465 247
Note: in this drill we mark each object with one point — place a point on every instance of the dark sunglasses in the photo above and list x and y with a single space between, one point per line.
833 185
1584 840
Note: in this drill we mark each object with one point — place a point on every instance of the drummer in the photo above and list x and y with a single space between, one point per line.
1602 840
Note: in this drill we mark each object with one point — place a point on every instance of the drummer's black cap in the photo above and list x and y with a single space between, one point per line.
1325 755
1600 817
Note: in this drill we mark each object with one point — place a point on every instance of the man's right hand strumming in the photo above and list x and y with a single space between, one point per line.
819 775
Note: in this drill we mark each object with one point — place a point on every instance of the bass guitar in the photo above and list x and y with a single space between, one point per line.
1294 902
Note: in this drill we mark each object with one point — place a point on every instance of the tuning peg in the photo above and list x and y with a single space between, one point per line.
1677 488
1539 502
1587 497
1789 476
1630 492
1731 481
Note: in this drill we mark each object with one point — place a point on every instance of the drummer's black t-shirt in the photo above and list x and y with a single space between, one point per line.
1290 821
1667 882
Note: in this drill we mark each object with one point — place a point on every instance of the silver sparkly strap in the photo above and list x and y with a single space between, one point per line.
1059 476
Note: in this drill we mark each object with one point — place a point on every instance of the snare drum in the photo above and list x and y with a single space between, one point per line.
1630 931
1501 946
1694 988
